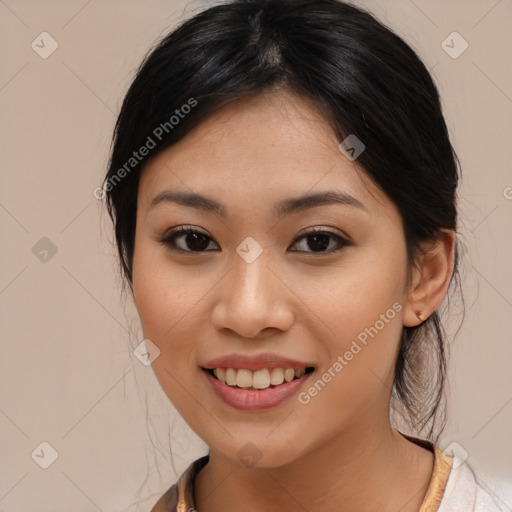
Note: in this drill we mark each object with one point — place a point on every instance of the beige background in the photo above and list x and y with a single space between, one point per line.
68 374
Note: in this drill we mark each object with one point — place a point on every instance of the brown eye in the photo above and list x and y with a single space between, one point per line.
319 241
184 239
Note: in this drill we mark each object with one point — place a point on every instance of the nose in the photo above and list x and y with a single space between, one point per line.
251 299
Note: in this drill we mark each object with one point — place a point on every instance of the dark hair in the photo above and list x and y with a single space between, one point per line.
363 78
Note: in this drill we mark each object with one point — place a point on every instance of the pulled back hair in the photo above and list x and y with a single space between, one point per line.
363 78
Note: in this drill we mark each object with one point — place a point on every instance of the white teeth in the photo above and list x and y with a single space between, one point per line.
289 374
259 379
244 378
231 377
220 373
276 376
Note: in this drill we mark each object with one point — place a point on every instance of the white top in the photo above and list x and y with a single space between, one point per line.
453 487
463 493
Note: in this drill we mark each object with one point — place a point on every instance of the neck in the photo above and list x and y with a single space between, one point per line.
372 469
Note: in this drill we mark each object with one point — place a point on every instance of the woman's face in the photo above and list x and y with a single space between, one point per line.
254 283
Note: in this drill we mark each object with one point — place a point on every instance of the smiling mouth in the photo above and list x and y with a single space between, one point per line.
258 380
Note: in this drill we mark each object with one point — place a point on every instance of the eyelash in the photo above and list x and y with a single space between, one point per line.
168 240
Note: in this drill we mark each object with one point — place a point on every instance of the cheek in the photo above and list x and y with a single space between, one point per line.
168 318
363 311
363 293
164 294
165 302
172 304
357 374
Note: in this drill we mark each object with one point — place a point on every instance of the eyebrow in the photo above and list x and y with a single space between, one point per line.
281 209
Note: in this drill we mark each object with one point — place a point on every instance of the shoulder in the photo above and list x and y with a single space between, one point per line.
167 502
468 490
180 496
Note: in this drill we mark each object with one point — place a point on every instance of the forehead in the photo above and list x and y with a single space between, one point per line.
262 148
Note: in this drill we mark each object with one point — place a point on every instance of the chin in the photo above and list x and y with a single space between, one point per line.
258 453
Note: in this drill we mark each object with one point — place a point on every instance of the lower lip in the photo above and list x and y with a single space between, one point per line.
255 400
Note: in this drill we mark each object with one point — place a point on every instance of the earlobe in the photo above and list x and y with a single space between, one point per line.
413 317
431 279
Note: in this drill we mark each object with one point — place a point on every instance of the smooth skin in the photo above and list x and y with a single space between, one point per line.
338 452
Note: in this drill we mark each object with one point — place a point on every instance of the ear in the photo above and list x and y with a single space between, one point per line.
430 279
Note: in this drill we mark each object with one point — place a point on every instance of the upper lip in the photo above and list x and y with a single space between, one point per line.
255 362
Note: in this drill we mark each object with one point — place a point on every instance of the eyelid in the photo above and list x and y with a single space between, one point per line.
342 240
171 234
323 230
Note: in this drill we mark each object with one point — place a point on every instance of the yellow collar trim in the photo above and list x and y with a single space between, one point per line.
431 502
